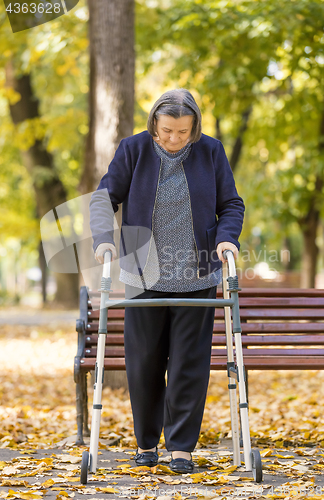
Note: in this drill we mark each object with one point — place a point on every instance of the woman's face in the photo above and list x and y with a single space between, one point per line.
173 133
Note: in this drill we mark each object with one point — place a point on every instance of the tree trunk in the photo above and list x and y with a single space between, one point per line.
49 190
310 252
310 223
111 94
238 144
219 134
237 148
43 268
111 104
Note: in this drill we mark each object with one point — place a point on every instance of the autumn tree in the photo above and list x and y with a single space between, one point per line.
42 87
111 105
259 67
111 90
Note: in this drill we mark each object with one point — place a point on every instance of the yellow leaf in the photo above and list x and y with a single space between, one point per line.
48 483
300 452
13 482
69 459
202 462
231 468
266 453
23 495
161 468
141 468
107 490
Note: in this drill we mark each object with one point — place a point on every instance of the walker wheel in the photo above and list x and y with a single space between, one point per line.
256 466
84 467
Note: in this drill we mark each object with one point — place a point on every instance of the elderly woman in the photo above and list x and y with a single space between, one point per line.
174 181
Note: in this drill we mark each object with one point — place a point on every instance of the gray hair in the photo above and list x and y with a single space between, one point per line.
176 103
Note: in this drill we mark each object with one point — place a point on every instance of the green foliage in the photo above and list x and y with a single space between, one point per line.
266 55
17 209
56 56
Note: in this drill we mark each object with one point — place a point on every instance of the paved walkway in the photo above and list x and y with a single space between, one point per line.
31 316
55 474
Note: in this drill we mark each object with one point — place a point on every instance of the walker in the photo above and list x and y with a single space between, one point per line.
252 458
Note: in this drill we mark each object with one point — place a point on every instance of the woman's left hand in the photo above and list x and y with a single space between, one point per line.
226 245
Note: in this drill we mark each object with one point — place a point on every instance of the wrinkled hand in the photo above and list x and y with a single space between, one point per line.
102 248
226 245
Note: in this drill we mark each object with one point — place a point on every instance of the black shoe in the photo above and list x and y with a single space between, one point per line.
182 465
147 458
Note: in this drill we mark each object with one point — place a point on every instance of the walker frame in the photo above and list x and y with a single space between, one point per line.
235 366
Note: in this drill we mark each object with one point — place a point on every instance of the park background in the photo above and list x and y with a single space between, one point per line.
70 90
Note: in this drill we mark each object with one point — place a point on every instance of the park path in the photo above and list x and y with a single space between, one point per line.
31 316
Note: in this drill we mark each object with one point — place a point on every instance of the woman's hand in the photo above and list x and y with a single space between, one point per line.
102 248
226 245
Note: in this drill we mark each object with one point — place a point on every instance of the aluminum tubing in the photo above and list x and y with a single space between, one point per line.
231 262
169 302
97 395
243 411
231 381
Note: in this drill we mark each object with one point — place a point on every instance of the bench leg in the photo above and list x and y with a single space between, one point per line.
79 410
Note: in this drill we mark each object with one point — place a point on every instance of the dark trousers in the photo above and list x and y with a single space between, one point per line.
177 339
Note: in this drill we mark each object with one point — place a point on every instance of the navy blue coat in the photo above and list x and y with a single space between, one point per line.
132 179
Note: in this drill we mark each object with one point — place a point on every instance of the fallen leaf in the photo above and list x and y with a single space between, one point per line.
24 495
107 490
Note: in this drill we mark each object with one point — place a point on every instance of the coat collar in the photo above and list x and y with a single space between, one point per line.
150 138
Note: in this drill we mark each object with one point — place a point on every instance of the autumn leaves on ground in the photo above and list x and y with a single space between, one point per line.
37 412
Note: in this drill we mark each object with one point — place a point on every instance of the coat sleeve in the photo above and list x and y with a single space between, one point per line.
229 205
112 191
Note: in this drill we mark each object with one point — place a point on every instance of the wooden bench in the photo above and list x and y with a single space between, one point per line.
282 329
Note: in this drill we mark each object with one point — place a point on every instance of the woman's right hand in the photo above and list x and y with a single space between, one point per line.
102 248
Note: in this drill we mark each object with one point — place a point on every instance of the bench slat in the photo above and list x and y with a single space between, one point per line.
119 352
110 352
275 363
282 302
219 363
278 292
292 327
287 314
111 339
281 340
245 292
253 340
262 328
246 314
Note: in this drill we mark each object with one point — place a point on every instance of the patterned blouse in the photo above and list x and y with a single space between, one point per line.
177 269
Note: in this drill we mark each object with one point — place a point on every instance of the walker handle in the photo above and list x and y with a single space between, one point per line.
107 260
229 256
